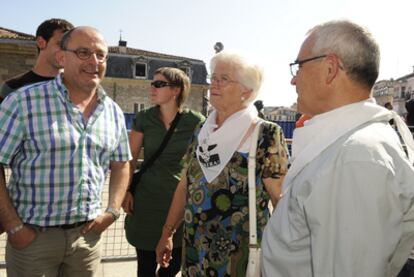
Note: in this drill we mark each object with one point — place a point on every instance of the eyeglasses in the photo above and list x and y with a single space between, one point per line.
161 84
294 67
85 53
222 81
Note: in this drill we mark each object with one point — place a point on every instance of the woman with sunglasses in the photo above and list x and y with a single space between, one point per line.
148 207
212 196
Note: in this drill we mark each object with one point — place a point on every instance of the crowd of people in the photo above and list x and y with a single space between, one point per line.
342 201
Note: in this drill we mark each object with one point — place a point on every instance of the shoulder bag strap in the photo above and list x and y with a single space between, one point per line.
163 144
252 186
147 164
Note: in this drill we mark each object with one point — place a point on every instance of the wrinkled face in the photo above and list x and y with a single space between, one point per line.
226 92
162 92
309 81
50 48
84 66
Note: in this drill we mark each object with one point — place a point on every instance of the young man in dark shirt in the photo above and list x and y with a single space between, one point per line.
48 36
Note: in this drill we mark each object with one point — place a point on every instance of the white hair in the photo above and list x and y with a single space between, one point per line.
247 73
353 45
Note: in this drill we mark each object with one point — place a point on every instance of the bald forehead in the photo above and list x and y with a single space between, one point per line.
87 33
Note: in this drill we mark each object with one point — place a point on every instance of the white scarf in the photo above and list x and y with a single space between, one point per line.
216 147
324 129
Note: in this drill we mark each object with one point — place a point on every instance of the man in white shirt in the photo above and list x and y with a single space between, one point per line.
346 207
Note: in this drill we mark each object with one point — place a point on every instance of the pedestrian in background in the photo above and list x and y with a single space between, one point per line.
409 105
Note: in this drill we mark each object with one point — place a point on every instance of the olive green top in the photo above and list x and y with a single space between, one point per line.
155 191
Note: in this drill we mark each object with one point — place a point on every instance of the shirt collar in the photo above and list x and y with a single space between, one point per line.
65 94
333 114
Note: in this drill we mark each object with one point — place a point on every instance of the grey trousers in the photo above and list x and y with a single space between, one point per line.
54 250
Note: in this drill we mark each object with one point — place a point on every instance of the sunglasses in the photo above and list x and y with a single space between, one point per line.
161 84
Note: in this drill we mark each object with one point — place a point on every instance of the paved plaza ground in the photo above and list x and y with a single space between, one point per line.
108 269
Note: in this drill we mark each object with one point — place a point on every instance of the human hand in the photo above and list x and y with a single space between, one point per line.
99 224
128 203
164 250
22 239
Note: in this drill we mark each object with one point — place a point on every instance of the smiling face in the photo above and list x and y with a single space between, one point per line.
84 74
226 92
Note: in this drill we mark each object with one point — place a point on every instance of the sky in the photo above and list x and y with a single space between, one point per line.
269 32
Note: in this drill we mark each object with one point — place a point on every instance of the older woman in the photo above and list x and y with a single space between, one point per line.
212 196
148 207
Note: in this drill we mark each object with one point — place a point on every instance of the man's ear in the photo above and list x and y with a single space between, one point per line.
41 43
332 67
60 58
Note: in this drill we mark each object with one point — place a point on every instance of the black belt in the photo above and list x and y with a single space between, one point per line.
65 226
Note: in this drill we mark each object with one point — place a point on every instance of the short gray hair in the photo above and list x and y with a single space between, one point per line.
248 74
353 45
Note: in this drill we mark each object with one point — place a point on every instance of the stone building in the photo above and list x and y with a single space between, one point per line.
383 91
17 53
396 91
403 91
129 70
280 114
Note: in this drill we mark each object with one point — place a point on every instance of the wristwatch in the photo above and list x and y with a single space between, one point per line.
114 212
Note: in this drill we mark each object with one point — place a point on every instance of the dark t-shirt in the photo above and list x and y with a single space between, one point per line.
19 81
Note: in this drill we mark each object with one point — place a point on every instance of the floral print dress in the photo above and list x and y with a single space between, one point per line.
216 219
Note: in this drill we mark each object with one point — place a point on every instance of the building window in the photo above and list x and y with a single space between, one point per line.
186 70
139 107
140 70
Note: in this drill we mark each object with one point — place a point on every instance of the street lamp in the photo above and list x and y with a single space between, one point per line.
218 47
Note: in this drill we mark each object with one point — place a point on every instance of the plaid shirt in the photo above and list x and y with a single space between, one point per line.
58 161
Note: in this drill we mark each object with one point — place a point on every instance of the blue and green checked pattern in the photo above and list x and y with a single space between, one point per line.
58 160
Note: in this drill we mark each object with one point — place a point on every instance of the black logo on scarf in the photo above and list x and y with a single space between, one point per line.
206 158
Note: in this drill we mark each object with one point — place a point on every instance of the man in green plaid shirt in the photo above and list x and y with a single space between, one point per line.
60 138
